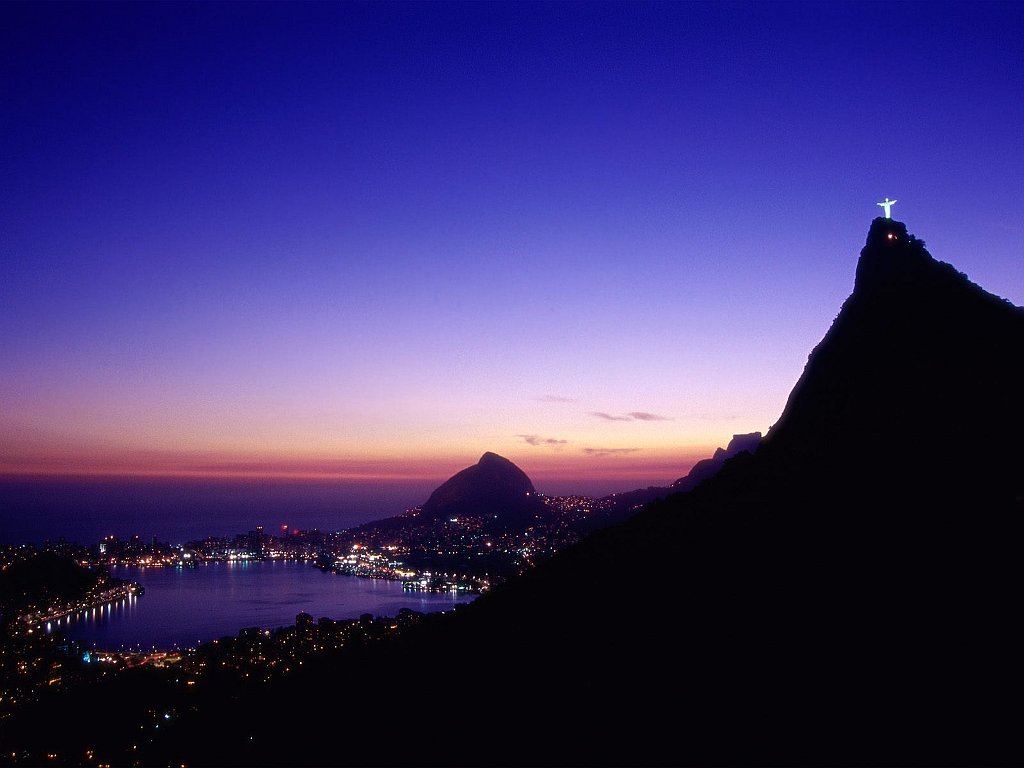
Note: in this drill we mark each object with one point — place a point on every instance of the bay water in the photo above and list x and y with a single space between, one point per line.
183 607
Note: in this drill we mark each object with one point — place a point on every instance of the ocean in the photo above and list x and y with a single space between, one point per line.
177 510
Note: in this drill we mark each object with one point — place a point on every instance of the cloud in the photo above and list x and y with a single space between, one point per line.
608 416
644 416
557 399
598 452
631 416
544 441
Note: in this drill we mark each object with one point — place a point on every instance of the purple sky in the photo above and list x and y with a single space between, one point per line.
374 240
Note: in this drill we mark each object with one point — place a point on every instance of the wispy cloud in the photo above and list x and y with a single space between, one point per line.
608 416
631 416
550 442
557 399
598 452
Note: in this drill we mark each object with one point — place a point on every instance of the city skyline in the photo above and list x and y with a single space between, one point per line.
372 242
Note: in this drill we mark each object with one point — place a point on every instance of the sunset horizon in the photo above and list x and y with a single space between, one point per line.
375 241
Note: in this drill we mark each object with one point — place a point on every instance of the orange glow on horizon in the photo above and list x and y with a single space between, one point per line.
656 465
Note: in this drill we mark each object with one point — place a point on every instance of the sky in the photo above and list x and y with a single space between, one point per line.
371 241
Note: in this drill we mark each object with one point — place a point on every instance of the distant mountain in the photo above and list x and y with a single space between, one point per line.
493 486
494 489
705 468
625 503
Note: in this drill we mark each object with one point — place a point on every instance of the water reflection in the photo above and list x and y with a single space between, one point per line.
113 611
183 606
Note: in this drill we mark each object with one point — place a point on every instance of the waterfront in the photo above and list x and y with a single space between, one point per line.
182 607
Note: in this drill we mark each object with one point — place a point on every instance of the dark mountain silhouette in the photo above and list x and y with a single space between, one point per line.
705 468
845 595
503 496
494 485
494 489
493 497
627 502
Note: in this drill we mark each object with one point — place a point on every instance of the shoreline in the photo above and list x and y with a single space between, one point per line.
121 591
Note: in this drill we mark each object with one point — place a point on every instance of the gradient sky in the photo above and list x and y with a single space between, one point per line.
374 240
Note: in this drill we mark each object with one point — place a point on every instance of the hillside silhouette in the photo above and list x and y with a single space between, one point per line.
845 594
494 484
494 488
487 523
624 504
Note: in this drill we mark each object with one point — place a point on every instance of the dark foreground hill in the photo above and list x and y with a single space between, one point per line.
846 595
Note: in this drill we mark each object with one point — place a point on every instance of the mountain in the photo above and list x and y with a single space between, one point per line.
494 486
844 595
627 502
921 370
494 490
705 468
474 525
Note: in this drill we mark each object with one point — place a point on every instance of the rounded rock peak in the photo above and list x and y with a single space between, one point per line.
493 459
885 231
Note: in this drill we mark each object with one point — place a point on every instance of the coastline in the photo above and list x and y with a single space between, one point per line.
120 591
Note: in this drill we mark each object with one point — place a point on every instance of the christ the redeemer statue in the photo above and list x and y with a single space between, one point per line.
887 204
